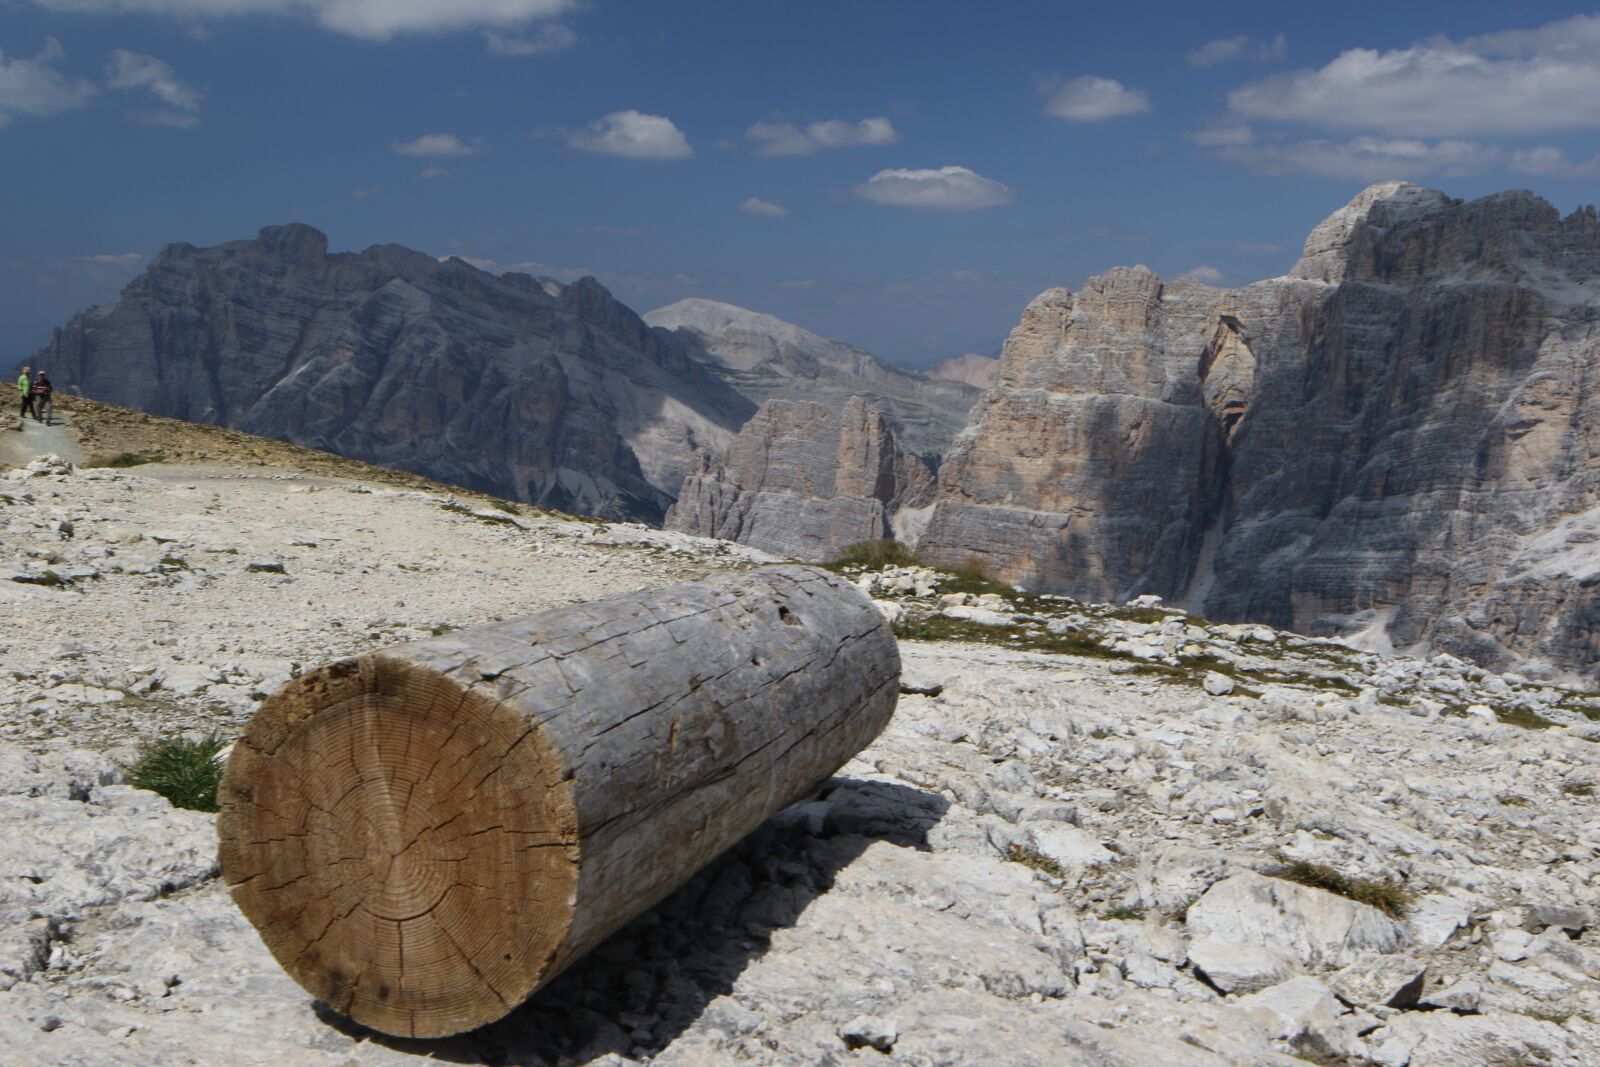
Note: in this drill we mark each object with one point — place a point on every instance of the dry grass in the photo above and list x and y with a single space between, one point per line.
113 436
1387 895
1036 861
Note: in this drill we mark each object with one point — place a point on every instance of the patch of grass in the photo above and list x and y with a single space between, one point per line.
873 555
441 629
944 628
1577 789
185 772
175 562
1125 913
1036 861
1528 720
1388 895
1511 800
492 520
1099 733
128 459
1149 616
506 506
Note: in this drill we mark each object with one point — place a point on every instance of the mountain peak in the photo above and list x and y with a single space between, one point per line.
1324 257
294 241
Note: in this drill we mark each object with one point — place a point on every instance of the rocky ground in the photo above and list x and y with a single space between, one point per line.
1083 840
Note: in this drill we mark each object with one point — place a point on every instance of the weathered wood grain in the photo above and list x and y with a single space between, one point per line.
426 835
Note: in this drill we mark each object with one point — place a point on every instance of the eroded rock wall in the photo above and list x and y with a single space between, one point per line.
1399 438
805 480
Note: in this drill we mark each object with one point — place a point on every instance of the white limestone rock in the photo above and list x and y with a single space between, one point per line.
1310 925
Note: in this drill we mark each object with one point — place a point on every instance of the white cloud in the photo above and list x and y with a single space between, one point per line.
1248 249
1092 99
133 71
1367 158
435 144
430 173
35 87
1546 161
1205 273
1516 82
633 134
116 259
787 139
551 37
941 189
373 19
765 208
367 193
1228 49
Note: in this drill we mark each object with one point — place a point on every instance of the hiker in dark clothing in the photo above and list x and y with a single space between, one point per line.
25 387
43 403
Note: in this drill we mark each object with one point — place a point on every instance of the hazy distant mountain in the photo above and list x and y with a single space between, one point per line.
970 369
766 358
555 394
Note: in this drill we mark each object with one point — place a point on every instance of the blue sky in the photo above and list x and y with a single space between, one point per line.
901 175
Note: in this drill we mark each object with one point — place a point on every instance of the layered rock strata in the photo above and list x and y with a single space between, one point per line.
805 480
1397 440
533 390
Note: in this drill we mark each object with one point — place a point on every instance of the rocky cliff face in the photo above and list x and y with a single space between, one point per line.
1398 439
805 480
766 358
553 394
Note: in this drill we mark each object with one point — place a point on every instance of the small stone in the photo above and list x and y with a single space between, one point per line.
1463 997
1572 919
1390 981
1218 685
264 566
867 1031
50 1023
1238 968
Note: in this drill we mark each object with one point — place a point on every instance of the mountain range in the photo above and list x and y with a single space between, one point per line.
1395 442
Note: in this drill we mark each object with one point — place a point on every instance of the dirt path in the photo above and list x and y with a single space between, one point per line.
19 447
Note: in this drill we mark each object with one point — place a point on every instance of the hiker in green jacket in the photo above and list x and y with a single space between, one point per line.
25 387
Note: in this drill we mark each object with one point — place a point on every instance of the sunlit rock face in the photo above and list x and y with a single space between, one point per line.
1397 439
805 480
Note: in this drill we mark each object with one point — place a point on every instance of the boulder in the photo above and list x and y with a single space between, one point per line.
1312 926
1239 968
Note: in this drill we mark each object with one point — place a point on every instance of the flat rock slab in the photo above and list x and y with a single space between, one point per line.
1311 925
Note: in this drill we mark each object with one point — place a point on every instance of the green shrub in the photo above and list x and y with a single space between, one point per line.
873 555
1528 720
185 772
130 459
1125 913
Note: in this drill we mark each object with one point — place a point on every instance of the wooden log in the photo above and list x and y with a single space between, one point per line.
426 835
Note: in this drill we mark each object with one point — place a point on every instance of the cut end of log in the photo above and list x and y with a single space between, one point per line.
384 829
425 836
